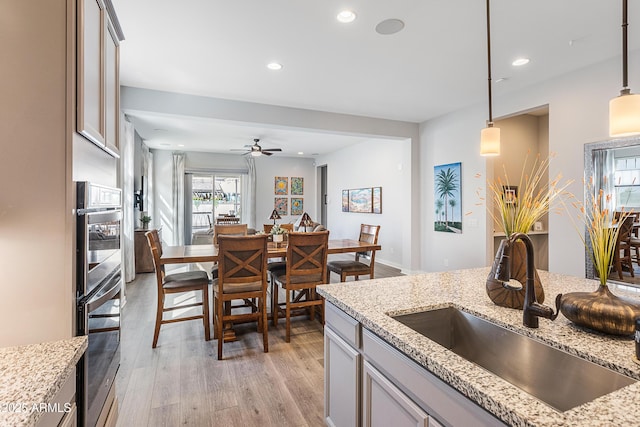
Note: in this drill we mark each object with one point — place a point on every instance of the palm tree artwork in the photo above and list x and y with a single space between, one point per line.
447 180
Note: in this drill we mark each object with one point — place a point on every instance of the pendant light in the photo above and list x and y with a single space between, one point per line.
624 110
489 136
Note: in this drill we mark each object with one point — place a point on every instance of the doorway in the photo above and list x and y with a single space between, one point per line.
322 195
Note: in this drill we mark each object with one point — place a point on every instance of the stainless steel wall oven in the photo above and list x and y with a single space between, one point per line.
99 284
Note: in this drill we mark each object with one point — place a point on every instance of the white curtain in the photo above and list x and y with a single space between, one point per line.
177 199
249 196
128 220
147 189
603 179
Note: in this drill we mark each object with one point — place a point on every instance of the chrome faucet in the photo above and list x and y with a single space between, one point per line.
532 309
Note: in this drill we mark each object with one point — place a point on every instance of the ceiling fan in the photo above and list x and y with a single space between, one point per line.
257 150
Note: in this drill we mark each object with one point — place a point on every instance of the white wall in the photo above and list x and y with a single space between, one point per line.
266 169
376 163
578 114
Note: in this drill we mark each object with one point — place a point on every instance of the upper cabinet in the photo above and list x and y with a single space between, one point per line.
98 83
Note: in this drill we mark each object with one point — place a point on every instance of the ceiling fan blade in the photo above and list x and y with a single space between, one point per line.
271 149
266 153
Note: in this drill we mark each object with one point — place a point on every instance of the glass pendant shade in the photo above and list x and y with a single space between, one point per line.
624 115
490 141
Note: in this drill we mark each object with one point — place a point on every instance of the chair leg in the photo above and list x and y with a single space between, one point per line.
265 322
343 277
156 332
205 312
219 313
288 316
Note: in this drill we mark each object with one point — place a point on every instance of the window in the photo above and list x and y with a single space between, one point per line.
214 195
627 182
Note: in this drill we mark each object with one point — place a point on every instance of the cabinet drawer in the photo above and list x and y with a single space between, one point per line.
344 325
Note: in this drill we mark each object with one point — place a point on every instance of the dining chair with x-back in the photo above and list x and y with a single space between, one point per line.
306 268
242 275
190 281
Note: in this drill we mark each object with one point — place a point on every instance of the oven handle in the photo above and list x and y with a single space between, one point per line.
104 295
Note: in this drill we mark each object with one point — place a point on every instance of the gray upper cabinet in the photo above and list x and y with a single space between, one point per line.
112 89
98 85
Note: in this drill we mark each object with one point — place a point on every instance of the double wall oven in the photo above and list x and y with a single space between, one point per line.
99 284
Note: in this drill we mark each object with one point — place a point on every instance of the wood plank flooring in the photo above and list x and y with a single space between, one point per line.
181 382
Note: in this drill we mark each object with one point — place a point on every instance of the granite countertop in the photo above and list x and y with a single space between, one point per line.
371 302
32 375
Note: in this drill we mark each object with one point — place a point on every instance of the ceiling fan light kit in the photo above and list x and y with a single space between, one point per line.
489 136
624 110
256 150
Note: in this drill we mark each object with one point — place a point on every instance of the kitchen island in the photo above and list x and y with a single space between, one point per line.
370 304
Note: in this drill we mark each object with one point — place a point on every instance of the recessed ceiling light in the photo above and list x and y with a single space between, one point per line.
300 153
501 79
346 16
180 145
520 62
389 26
274 66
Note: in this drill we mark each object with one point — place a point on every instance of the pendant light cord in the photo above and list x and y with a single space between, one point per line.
625 24
489 59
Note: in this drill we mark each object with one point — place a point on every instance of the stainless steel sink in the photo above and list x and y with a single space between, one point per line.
557 378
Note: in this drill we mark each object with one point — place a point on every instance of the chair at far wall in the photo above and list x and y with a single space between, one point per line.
368 234
242 276
177 283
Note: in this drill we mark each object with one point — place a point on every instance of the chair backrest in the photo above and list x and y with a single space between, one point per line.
626 227
228 220
156 250
267 228
288 227
307 257
229 230
242 259
368 234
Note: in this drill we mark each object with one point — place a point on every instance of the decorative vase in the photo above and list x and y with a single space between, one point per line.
601 311
505 295
277 238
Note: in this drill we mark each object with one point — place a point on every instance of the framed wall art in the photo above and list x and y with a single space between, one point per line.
297 206
281 205
360 200
448 202
297 186
377 200
345 200
281 186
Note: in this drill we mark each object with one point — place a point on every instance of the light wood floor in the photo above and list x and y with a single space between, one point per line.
181 382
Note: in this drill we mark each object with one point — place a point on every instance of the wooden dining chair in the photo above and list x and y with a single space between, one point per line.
622 252
189 281
357 268
242 275
227 230
306 268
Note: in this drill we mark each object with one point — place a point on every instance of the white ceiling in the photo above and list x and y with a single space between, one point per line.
437 64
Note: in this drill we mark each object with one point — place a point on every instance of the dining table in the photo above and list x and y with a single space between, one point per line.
187 254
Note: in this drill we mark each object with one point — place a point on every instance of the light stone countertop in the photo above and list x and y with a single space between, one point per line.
32 375
370 302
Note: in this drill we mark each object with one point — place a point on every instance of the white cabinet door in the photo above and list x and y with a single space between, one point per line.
386 405
341 381
90 118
